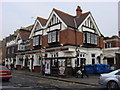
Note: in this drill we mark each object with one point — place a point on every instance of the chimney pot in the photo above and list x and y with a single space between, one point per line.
78 11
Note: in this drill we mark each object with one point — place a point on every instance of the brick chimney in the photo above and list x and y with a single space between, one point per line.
78 11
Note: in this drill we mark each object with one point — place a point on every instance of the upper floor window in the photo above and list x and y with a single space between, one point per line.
53 36
21 47
91 38
36 41
27 46
109 45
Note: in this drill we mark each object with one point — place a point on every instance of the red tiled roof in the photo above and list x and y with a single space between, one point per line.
24 35
81 18
70 20
42 21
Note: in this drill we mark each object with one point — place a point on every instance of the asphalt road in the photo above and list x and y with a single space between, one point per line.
26 82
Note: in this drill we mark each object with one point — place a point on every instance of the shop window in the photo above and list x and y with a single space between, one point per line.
61 63
69 62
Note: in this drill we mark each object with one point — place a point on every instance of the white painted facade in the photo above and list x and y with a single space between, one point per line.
110 53
11 43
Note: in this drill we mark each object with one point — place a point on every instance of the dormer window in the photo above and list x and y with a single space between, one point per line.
53 36
36 41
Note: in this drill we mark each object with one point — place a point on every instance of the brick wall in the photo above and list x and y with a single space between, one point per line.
100 42
71 37
66 37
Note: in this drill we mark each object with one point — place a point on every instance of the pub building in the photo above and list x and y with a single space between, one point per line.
63 42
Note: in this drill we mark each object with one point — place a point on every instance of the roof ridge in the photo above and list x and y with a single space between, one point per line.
42 18
62 12
86 12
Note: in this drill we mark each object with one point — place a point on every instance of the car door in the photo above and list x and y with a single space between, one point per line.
118 76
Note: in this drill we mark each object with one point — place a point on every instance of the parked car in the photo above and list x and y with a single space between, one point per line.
111 80
5 73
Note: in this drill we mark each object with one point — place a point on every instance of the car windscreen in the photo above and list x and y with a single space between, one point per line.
4 68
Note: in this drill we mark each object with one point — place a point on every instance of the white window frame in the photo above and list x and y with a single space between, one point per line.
53 36
36 41
49 38
96 39
88 38
92 39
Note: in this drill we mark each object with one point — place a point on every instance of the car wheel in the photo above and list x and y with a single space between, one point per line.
112 85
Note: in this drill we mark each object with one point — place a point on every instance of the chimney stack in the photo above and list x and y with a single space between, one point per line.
78 11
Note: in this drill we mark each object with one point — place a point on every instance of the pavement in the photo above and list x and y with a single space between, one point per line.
92 80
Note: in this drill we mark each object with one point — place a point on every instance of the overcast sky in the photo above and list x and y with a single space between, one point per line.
21 14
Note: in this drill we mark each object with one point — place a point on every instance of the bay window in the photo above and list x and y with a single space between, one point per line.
36 41
91 38
53 36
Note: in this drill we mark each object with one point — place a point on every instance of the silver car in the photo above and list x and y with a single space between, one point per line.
111 80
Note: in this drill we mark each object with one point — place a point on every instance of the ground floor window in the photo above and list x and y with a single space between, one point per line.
110 61
68 62
80 61
93 58
54 63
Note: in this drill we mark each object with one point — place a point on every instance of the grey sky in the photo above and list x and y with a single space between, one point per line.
19 14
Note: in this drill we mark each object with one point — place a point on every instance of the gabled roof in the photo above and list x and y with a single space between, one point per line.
42 21
24 35
67 19
29 28
112 37
70 20
81 18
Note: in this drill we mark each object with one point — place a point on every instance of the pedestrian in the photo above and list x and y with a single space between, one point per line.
78 73
43 70
83 70
11 66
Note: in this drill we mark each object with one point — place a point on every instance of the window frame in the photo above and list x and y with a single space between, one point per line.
36 40
91 38
53 36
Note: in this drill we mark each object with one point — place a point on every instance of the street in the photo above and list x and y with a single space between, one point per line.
26 82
